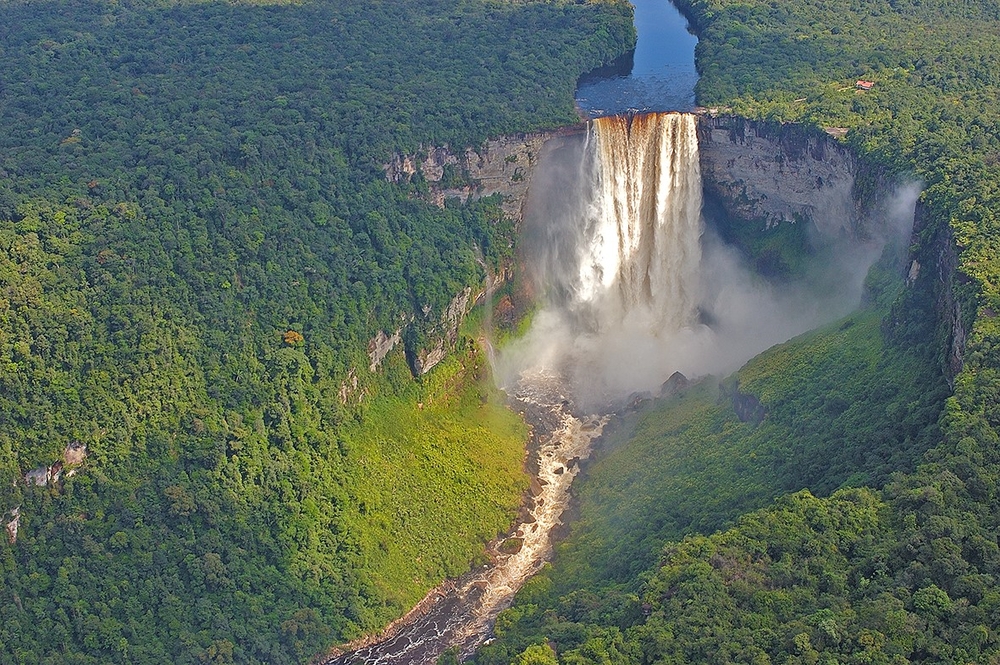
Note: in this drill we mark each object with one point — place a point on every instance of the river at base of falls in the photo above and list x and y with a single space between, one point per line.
460 613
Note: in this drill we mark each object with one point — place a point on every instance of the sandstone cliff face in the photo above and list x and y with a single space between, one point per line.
503 166
779 173
757 172
441 337
380 345
445 334
933 269
949 306
770 174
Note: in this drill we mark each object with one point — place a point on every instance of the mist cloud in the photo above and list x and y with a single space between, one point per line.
605 354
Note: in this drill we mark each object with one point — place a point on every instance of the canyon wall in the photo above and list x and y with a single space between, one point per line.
502 166
759 175
780 173
770 172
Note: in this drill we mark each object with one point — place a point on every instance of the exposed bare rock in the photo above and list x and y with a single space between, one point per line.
349 387
673 385
779 173
379 347
445 334
13 524
75 454
492 283
943 255
39 476
427 359
502 166
455 314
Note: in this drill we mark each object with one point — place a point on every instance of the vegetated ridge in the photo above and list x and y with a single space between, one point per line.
197 244
893 567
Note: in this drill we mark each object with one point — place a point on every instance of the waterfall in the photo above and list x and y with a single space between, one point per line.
640 249
613 240
613 237
630 278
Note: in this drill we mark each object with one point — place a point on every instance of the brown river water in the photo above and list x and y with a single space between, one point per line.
460 613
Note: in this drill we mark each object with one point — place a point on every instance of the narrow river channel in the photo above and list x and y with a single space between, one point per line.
460 613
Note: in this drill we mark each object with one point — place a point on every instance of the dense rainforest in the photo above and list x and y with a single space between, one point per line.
856 519
197 242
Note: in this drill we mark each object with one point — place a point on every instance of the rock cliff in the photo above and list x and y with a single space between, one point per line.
760 175
444 336
502 166
778 173
933 283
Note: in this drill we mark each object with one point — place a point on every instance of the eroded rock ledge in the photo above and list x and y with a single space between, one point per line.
779 173
502 166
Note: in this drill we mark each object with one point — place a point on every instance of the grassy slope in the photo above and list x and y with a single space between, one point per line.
835 400
420 458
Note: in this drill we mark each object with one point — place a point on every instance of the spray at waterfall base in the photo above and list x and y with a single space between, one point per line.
636 285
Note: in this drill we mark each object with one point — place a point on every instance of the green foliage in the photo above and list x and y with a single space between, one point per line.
536 654
777 251
903 574
842 407
931 113
181 185
416 467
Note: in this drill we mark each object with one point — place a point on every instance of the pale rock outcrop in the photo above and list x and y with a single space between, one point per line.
73 456
349 388
502 166
380 345
427 359
445 334
39 476
13 524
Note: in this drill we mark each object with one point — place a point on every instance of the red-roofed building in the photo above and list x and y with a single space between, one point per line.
864 85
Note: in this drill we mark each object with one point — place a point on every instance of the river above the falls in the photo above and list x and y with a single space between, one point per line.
658 76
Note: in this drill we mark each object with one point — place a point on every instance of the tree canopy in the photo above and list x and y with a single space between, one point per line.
197 242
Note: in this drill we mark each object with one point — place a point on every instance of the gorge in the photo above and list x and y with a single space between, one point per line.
639 284
850 523
266 353
636 288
